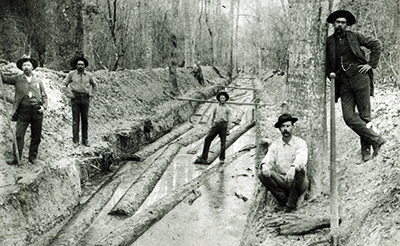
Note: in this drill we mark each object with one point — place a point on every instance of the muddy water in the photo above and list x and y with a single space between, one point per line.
218 216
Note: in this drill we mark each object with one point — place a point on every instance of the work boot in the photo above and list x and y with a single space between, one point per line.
365 150
200 160
288 209
86 143
377 146
76 144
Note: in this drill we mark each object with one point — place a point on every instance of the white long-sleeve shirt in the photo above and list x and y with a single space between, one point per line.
281 155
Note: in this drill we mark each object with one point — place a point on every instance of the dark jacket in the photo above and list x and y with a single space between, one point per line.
21 87
356 40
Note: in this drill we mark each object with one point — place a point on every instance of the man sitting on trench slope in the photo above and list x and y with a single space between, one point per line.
283 169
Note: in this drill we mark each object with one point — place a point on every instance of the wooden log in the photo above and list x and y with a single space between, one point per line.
209 101
135 226
150 149
301 226
193 135
144 185
243 88
77 225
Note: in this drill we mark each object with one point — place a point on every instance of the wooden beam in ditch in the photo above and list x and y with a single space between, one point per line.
89 211
210 101
133 227
243 88
137 193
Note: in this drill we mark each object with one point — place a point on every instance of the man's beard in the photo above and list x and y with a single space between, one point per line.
80 69
339 30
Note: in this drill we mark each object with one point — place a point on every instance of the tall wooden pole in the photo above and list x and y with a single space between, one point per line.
334 189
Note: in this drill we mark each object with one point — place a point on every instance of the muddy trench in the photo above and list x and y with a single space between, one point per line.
176 201
150 163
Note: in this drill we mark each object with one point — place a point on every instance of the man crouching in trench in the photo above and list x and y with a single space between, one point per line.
283 169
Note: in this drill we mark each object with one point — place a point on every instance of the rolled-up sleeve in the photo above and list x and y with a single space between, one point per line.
67 79
301 158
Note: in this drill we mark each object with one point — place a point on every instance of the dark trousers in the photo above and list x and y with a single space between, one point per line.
29 115
219 128
355 92
285 192
80 111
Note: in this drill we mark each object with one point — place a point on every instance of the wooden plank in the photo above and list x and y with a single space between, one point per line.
333 180
243 88
209 101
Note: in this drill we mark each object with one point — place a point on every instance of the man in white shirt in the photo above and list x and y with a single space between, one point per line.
283 169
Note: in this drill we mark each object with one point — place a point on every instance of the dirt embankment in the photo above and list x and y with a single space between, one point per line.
132 108
369 192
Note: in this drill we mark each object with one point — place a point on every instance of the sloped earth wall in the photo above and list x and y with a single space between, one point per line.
369 193
131 109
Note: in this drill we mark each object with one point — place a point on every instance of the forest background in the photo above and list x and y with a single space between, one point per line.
234 35
131 34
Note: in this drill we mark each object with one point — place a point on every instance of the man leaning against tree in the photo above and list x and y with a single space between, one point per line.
354 77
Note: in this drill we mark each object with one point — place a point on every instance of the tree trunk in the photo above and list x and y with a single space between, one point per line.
236 35
173 66
306 84
397 36
231 21
144 185
147 31
189 30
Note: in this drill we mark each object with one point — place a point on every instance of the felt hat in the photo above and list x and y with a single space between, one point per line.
222 93
81 58
21 61
342 13
283 118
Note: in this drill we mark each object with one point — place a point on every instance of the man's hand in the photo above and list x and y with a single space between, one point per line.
364 68
41 109
227 132
290 174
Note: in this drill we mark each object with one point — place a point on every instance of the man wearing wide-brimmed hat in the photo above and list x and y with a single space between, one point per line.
354 77
83 87
30 101
220 120
283 169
